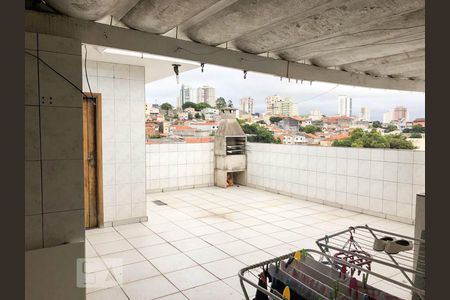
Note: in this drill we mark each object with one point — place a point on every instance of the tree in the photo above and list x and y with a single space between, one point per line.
416 135
166 106
230 103
197 116
188 104
390 128
259 134
220 102
202 105
240 121
415 129
376 124
275 119
311 129
360 139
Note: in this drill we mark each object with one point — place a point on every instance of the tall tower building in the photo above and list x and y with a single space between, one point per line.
247 105
399 113
206 94
186 95
272 108
288 107
365 114
345 106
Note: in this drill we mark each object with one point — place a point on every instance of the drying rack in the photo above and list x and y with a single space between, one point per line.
356 244
334 285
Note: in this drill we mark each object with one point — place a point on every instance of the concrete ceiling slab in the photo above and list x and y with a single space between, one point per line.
326 33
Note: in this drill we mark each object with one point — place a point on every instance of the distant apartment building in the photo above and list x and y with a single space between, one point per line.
151 111
211 114
206 94
365 114
288 107
396 114
345 106
315 115
186 95
247 105
400 113
275 105
272 105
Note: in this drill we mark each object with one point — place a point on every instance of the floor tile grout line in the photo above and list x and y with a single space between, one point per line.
173 221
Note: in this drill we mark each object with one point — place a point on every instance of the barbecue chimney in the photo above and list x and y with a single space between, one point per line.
230 160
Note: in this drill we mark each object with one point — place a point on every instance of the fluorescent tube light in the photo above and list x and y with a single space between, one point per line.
148 56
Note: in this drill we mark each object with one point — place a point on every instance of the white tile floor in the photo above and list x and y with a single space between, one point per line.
193 247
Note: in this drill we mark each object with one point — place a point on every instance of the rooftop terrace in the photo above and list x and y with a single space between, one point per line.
193 247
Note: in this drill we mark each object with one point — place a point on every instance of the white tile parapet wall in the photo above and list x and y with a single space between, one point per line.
178 166
373 181
381 182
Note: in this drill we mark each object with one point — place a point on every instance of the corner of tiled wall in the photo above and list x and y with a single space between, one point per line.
178 166
122 88
54 206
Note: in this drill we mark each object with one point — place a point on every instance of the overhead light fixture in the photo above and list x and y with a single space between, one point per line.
149 56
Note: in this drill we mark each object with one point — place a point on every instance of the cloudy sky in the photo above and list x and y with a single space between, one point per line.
229 83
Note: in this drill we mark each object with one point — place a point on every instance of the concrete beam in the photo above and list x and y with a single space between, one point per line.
397 68
367 34
379 49
122 38
369 64
89 10
246 16
416 74
322 22
161 16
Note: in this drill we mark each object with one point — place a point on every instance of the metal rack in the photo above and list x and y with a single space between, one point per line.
333 284
356 244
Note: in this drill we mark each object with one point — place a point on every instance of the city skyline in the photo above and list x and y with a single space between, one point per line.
230 84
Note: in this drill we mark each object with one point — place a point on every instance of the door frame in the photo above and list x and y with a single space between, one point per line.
98 158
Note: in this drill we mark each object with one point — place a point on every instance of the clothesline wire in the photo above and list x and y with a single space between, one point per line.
321 94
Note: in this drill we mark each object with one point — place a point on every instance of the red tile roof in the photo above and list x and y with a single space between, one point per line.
337 137
312 136
198 139
182 127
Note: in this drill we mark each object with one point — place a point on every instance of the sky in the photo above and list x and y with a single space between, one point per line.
230 84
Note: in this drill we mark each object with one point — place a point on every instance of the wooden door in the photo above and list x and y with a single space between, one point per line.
93 192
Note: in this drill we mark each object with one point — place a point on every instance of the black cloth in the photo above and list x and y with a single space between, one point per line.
262 282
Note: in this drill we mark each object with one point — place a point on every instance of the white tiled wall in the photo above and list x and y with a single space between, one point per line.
54 207
376 181
176 166
123 133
